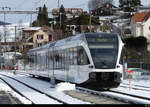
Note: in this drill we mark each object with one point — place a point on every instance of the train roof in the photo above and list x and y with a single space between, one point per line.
78 37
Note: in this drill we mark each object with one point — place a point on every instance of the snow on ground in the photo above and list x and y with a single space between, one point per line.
134 88
59 89
57 92
65 86
31 94
6 88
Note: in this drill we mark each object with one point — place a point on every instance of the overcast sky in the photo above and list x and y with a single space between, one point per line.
33 4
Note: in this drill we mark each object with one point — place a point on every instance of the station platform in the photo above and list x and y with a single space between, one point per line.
7 98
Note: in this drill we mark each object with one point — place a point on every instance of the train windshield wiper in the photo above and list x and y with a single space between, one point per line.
103 62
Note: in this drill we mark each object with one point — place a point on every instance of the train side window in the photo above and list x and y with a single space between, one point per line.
47 60
71 55
50 59
75 56
82 57
122 56
63 58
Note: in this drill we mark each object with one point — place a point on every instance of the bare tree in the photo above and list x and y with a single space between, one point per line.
94 4
19 29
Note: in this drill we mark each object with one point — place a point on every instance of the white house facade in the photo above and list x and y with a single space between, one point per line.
140 25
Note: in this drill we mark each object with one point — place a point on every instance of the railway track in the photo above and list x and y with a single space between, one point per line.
120 96
114 96
7 79
7 98
136 87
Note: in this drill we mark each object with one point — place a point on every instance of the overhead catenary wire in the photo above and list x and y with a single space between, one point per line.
35 4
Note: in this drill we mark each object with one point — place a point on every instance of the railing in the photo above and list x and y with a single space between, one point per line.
141 70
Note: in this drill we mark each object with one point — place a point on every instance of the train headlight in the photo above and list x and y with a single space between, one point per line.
92 75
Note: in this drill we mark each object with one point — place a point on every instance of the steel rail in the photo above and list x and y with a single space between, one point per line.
128 98
15 90
36 89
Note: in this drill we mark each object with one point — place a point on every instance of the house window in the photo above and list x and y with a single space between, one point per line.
27 34
50 37
107 6
39 44
40 37
44 30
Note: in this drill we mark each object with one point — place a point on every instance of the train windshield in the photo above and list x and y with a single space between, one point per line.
104 50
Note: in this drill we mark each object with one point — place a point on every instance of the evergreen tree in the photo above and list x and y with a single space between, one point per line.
42 18
39 17
94 4
62 13
83 19
45 16
129 5
62 18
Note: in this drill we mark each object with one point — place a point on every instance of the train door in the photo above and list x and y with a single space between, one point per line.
47 61
51 62
71 73
36 62
83 65
63 65
57 64
67 64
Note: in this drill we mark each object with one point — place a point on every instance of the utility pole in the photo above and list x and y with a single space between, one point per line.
58 3
3 9
31 20
52 82
15 50
58 6
90 22
60 19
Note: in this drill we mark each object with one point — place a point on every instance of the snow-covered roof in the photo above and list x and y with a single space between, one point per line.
32 28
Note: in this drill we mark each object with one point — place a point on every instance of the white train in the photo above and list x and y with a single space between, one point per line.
89 60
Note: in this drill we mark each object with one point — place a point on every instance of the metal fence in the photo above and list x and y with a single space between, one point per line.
141 65
141 70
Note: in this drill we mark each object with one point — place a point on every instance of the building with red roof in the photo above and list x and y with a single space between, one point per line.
140 24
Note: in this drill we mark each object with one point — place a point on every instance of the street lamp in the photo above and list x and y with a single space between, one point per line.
90 23
4 8
60 19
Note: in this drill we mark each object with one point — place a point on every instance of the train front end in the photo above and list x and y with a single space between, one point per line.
106 53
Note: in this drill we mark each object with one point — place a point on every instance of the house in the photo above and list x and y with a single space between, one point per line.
27 37
42 36
105 10
140 25
143 8
36 36
70 12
